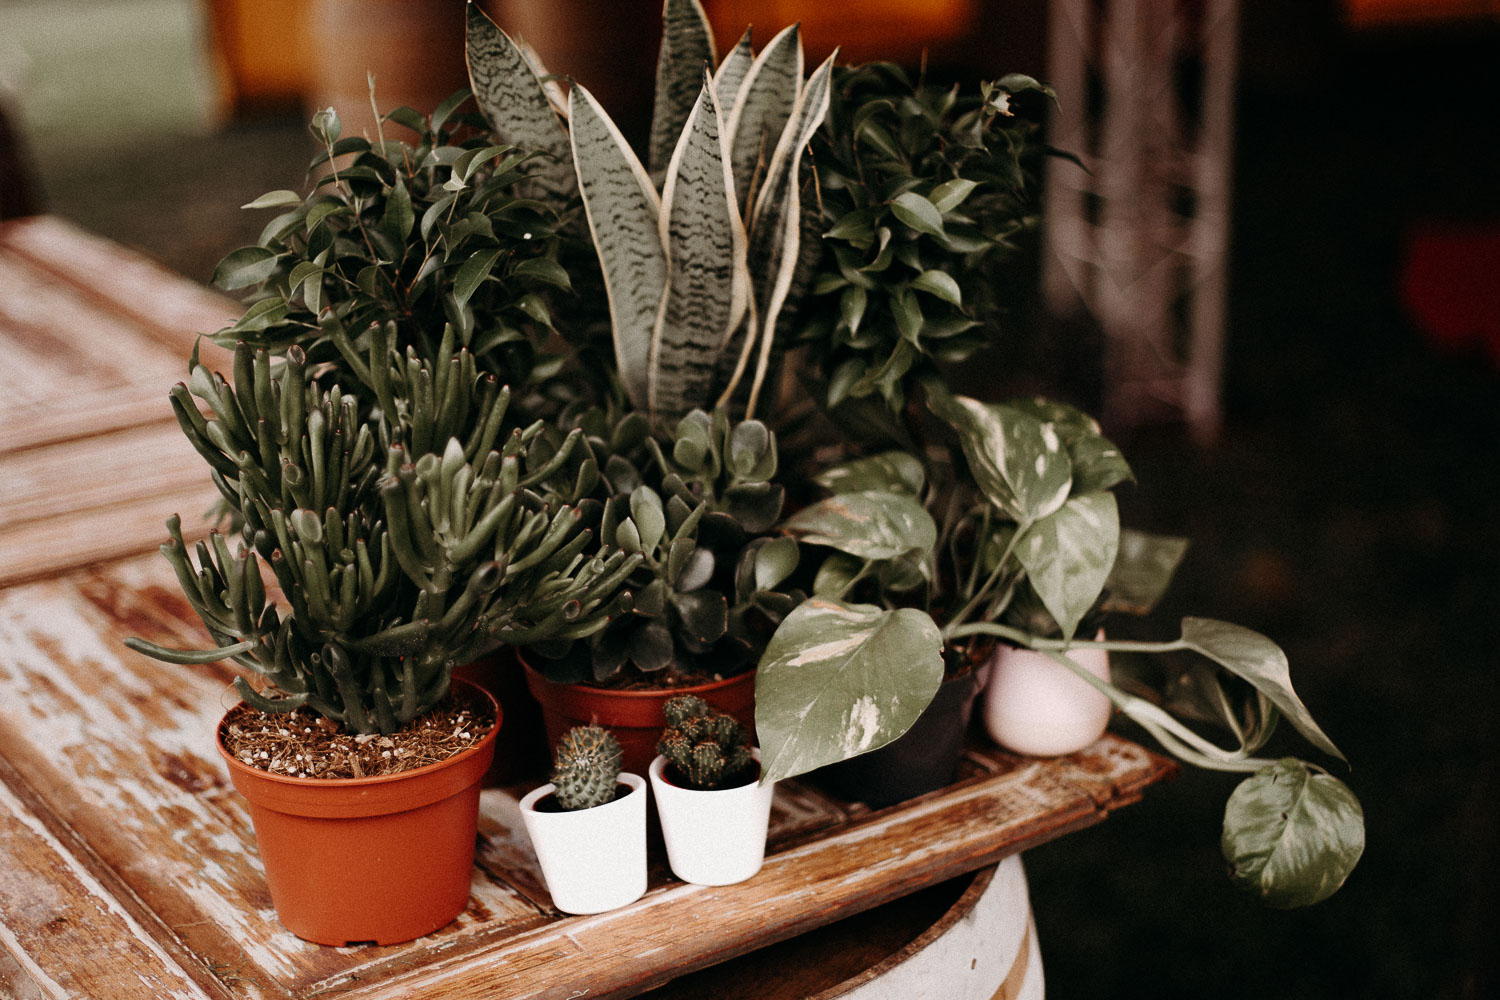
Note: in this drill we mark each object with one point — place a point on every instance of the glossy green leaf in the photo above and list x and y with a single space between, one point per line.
870 524
1143 570
941 284
543 269
245 267
838 680
916 212
276 199
1017 460
1068 555
892 471
1260 661
472 274
950 194
398 218
1292 837
774 562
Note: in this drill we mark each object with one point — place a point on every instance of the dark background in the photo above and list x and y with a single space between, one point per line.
1347 510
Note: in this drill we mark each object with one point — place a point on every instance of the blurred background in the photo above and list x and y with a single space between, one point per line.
1280 284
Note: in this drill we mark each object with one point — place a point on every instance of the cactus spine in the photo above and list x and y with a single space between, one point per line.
586 767
705 748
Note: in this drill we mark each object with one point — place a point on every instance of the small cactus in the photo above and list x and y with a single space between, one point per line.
704 747
586 768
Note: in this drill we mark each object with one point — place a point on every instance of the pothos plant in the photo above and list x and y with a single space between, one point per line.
978 519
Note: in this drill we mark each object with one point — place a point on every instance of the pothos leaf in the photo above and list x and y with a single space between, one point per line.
871 524
1292 837
1068 555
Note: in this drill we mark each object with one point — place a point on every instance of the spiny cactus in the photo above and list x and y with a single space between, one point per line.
394 577
586 767
697 510
705 748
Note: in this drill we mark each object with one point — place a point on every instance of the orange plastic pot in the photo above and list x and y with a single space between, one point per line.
635 717
357 860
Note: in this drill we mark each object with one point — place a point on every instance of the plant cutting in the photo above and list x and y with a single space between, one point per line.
588 825
714 813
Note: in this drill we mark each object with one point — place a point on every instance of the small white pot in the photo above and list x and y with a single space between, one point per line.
713 837
592 859
1035 705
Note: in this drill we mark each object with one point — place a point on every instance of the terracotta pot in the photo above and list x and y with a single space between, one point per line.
635 717
592 860
714 836
383 860
1034 705
924 759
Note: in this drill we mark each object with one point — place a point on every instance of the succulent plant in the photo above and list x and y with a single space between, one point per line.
586 767
698 512
403 549
705 748
700 253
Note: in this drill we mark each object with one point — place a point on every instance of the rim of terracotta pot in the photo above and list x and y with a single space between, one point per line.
636 708
370 796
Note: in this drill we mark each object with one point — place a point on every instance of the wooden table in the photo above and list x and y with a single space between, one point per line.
128 867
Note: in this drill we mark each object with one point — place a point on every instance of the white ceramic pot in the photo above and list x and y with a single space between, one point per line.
592 859
1034 705
713 837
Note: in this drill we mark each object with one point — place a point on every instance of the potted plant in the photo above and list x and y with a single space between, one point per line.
714 812
588 825
409 520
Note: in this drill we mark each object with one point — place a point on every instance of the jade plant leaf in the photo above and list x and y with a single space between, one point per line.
1292 837
1143 570
1017 459
871 524
1260 661
838 680
1068 555
892 471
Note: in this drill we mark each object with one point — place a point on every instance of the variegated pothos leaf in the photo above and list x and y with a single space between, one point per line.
687 49
624 216
1068 555
766 101
516 105
707 283
1017 459
838 680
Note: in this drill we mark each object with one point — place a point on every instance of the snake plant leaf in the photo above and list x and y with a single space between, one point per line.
838 680
1250 655
1018 460
1143 570
687 51
517 106
777 222
1292 837
871 524
707 282
1068 555
624 215
893 471
763 106
731 73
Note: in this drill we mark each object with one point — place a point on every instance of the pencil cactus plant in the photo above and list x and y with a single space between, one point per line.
586 767
705 748
407 539
702 252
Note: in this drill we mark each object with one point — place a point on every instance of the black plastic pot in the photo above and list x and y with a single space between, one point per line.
923 760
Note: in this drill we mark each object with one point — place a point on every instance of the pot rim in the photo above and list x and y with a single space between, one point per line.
658 772
290 782
533 672
530 799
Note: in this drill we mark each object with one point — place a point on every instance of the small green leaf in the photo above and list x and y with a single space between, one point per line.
949 195
1068 555
245 267
835 574
774 562
473 272
276 199
1143 570
941 284
263 314
916 212
838 680
871 524
398 218
545 270
326 126
907 312
852 306
1292 837
650 520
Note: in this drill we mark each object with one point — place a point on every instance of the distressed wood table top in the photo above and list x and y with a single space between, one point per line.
128 866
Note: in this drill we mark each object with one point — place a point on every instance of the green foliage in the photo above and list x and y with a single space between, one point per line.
586 767
927 194
404 550
705 748
698 508
415 236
